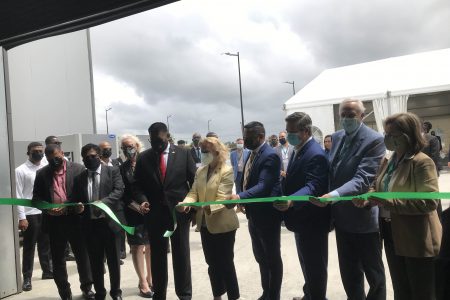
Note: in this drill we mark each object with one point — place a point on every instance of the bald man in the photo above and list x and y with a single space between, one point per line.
105 155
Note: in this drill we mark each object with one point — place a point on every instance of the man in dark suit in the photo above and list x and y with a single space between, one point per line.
307 174
262 179
432 147
355 157
164 175
195 149
54 183
100 183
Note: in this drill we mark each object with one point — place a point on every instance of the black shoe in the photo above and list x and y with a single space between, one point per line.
123 255
47 275
70 257
67 297
121 262
26 286
88 295
143 294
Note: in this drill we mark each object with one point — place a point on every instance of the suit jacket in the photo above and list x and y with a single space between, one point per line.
263 181
278 150
234 158
180 173
110 193
307 174
432 148
416 228
195 157
43 186
218 218
353 175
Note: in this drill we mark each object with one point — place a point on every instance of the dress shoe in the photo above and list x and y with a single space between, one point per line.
47 275
67 297
148 294
123 255
26 286
88 295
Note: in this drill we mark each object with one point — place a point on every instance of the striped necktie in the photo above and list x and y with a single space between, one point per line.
248 169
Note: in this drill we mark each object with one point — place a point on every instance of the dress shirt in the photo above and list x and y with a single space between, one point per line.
95 212
348 137
166 154
25 175
59 185
240 160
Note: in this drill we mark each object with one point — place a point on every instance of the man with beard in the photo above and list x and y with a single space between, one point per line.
164 175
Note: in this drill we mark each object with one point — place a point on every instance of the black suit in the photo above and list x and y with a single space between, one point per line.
307 174
163 196
63 229
264 221
102 234
195 155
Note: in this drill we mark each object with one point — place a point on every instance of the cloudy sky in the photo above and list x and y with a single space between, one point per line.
168 61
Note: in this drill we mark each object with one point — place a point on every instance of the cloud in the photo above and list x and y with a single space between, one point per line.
168 61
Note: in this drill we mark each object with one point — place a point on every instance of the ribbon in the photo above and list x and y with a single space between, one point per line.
47 205
380 195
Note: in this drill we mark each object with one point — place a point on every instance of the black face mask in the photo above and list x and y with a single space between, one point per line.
55 162
282 141
273 143
91 162
251 144
106 153
37 156
158 144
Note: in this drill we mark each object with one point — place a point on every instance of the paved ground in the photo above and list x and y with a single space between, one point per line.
246 266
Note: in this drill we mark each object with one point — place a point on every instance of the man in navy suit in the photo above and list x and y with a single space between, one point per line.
355 156
262 179
307 174
238 158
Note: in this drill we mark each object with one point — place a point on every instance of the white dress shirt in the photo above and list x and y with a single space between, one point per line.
166 154
97 181
25 175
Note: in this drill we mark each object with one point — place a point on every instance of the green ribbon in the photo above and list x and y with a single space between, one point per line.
47 205
380 195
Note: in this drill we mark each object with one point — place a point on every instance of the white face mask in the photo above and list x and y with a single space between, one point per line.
240 146
207 158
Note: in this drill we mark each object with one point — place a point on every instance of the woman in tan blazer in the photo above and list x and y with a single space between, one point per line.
410 228
217 224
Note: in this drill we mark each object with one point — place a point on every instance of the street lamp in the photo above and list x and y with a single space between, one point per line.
293 85
168 127
240 88
107 127
208 125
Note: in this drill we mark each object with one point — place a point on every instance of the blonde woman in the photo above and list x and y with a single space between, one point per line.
139 242
217 224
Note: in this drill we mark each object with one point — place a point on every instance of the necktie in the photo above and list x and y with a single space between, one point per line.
162 166
94 196
199 154
248 168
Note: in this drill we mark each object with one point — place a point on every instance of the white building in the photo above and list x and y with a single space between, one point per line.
418 83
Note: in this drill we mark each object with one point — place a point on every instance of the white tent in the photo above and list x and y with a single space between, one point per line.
387 82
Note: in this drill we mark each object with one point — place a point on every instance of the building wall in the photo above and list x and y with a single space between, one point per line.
322 117
51 88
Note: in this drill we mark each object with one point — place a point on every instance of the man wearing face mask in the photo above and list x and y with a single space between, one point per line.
164 175
100 183
355 157
195 149
285 151
54 183
238 158
307 174
262 179
105 155
273 141
30 219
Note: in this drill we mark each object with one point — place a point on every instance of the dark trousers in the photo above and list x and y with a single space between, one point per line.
360 254
122 242
219 255
101 240
412 278
238 182
443 261
266 249
32 236
159 219
65 229
312 250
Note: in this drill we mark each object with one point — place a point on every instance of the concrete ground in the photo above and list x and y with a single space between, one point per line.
247 270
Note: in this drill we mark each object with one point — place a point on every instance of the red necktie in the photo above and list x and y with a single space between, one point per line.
162 166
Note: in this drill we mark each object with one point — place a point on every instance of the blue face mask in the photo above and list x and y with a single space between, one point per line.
293 139
350 125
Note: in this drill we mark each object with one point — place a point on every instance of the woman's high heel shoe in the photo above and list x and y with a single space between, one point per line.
148 294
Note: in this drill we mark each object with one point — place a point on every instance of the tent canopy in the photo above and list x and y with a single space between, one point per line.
22 21
419 73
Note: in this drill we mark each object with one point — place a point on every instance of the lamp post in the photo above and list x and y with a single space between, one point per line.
208 125
293 85
240 88
168 127
107 127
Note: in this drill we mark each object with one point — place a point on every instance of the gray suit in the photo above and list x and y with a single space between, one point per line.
352 172
279 150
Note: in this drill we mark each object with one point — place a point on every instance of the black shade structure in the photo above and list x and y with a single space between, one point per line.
23 21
